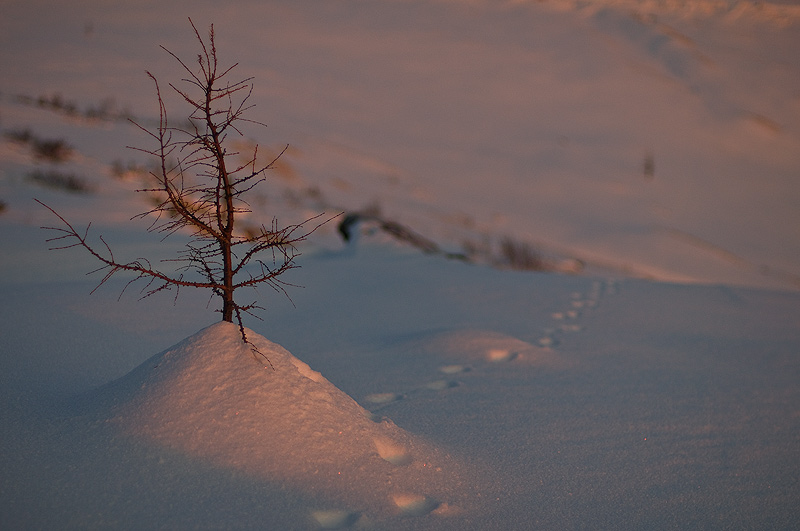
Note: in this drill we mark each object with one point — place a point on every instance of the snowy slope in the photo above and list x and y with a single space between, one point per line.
656 139
656 142
654 405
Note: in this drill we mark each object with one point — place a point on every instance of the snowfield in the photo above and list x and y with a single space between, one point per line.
645 155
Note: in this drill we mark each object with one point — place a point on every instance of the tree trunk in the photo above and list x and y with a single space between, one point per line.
227 306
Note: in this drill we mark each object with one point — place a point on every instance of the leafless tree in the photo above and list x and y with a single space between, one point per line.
201 190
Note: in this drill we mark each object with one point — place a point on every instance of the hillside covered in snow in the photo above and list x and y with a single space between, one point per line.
572 300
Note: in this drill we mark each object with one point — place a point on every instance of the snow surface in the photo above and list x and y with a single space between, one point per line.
656 142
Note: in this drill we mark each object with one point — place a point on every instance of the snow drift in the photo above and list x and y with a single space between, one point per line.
214 398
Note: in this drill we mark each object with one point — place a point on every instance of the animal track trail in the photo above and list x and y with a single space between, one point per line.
377 401
474 350
408 499
464 355
569 319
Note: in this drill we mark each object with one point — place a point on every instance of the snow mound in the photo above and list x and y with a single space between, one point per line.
212 398
488 346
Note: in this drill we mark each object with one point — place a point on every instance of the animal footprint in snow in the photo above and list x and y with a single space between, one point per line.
335 518
392 452
547 341
383 398
476 346
454 369
496 355
441 385
487 346
414 504
569 318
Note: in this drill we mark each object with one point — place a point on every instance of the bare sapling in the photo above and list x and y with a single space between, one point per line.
201 188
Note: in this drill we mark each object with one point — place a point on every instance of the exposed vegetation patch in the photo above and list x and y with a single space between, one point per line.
507 254
649 166
521 256
349 224
66 182
51 150
106 110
